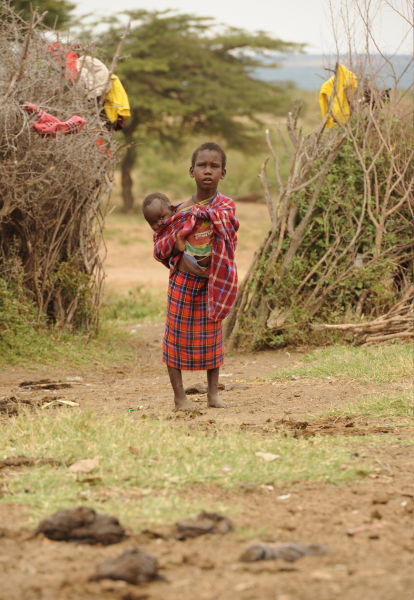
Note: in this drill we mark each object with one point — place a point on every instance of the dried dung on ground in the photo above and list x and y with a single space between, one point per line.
205 523
133 566
289 552
83 525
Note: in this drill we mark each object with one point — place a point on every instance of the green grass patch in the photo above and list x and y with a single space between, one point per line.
140 304
379 405
30 344
44 346
373 364
155 470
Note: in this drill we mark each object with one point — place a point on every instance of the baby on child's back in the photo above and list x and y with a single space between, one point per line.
196 248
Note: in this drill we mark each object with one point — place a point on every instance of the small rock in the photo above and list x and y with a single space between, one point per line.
83 525
267 456
382 499
321 576
201 388
376 514
86 465
133 566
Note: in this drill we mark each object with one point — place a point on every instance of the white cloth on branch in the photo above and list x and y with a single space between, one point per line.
93 76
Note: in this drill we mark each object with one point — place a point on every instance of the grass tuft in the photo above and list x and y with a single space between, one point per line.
373 364
148 469
379 405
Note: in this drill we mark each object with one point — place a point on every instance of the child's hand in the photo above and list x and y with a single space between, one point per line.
179 242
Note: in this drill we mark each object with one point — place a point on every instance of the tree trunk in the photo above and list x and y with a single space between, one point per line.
127 165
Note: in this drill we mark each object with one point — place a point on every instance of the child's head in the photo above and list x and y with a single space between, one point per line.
211 146
208 166
155 208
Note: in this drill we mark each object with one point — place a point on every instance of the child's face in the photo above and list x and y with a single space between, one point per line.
208 170
156 213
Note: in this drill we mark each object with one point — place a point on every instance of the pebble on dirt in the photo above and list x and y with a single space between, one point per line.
206 522
83 525
288 552
134 566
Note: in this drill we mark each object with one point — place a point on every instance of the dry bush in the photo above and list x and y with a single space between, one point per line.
54 191
340 247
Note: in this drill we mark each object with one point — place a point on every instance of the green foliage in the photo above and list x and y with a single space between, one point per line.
186 76
183 76
18 316
26 338
58 11
75 289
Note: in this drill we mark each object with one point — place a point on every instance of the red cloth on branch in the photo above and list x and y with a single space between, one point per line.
49 126
222 281
65 57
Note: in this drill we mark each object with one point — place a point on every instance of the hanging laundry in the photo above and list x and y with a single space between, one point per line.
49 126
93 76
335 94
65 57
116 104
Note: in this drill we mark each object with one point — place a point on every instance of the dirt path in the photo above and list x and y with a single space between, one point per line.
375 562
252 396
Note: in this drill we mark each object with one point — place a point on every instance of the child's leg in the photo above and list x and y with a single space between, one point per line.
180 399
213 399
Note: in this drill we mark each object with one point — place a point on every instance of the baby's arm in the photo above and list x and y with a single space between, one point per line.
179 245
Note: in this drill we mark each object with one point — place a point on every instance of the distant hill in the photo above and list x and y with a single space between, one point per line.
307 71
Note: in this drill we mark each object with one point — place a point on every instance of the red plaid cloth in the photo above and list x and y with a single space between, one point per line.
49 126
222 282
192 341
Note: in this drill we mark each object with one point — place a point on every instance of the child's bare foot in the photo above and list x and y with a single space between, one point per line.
184 404
213 401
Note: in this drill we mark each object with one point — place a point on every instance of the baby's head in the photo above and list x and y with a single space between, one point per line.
156 207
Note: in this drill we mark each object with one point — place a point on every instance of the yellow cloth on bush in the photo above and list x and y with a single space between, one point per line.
116 101
340 109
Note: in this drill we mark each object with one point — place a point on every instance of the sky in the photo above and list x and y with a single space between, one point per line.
303 21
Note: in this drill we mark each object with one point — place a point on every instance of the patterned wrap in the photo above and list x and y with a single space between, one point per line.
192 341
222 282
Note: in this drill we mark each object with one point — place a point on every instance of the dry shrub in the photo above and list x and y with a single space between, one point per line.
54 191
339 254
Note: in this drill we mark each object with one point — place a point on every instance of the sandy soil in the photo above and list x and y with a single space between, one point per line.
367 525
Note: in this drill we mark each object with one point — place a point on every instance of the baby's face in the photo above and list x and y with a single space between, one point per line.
156 213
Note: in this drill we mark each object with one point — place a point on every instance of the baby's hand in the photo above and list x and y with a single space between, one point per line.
179 242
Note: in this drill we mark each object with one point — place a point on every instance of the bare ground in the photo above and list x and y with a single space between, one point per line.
368 525
374 562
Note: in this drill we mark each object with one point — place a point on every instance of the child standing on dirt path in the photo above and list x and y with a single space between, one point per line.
198 243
